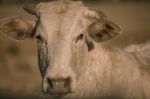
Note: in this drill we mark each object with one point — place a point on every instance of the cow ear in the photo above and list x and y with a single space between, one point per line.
103 30
16 27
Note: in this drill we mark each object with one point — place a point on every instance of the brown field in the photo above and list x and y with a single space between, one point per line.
19 74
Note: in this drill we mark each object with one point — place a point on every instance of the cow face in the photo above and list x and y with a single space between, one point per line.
65 32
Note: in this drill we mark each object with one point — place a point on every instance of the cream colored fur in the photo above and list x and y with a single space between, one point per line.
95 72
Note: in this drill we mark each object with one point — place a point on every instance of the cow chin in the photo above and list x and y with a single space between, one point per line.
59 92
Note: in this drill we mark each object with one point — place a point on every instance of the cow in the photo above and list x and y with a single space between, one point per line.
73 61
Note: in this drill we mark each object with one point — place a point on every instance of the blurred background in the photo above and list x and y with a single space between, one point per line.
19 74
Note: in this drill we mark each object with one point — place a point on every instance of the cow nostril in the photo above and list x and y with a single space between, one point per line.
61 83
67 82
50 82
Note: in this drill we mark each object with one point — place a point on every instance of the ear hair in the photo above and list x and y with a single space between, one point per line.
102 30
16 27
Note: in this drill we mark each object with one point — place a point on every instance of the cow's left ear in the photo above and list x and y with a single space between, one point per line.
16 27
102 30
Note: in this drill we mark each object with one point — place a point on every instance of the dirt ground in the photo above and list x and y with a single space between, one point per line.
19 73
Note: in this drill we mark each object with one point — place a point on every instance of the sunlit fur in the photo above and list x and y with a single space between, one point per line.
100 72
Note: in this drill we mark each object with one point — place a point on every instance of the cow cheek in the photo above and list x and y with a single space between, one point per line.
79 57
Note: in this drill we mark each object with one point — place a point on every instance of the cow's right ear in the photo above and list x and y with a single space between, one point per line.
16 27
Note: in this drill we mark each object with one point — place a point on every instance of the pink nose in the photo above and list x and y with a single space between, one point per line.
59 85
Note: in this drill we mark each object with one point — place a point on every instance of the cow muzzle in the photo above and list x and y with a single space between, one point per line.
58 86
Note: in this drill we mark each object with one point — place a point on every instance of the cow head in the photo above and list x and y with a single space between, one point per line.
66 32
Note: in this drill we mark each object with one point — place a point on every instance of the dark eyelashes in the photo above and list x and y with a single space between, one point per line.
79 37
40 39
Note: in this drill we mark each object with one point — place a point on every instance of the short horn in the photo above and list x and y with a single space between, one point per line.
30 9
36 26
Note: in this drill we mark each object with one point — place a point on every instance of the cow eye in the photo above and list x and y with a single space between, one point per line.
38 37
79 37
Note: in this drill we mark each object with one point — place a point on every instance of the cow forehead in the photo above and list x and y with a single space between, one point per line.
59 7
62 22
63 19
55 25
